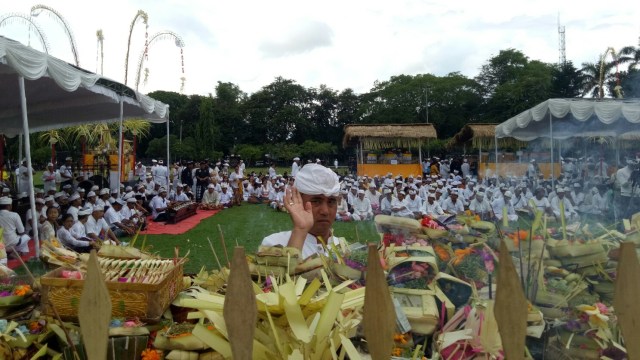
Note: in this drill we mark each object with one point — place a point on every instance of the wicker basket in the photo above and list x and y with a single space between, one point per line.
145 301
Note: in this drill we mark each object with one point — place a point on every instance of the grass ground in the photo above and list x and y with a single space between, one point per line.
245 225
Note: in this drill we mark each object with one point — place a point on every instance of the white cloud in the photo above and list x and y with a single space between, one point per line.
337 43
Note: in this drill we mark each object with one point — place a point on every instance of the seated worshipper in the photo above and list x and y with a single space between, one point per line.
277 197
13 229
50 226
504 205
342 211
481 206
103 200
569 212
312 203
414 203
226 197
159 205
75 204
179 195
399 206
452 204
115 220
374 198
131 216
362 207
247 190
385 202
210 199
69 241
540 203
431 207
42 216
255 197
97 228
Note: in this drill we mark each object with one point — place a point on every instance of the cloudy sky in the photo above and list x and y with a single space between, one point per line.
339 43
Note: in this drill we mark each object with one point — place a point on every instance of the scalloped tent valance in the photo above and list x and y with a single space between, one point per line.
565 118
59 94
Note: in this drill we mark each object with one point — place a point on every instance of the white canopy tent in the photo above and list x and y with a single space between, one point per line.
561 119
57 94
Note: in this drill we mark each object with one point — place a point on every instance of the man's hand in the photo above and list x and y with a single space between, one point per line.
301 214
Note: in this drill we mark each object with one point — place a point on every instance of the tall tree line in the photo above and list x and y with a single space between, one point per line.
280 117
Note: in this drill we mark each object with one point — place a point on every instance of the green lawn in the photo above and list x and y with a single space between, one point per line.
247 225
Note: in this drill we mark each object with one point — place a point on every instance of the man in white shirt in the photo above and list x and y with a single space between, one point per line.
504 202
161 174
23 178
374 198
385 202
97 228
452 204
399 207
66 173
312 204
75 202
569 212
465 168
210 199
114 218
179 195
540 203
226 197
49 178
295 167
362 207
481 206
431 207
159 205
13 230
414 204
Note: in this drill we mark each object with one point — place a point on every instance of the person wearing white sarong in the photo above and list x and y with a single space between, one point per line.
452 204
431 207
569 212
414 203
399 206
295 167
374 198
505 201
13 230
362 207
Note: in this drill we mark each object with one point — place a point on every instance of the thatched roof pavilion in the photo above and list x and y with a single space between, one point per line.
378 136
482 136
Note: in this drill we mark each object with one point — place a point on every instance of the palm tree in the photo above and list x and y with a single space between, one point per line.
630 55
592 73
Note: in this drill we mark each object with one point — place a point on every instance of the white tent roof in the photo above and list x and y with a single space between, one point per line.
60 95
565 118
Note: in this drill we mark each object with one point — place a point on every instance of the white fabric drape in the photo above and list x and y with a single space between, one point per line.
62 95
574 118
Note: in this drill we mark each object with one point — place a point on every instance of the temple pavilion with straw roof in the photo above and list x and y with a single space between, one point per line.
481 137
388 148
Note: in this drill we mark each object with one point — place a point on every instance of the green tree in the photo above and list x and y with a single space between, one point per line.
228 114
567 81
501 69
250 153
207 131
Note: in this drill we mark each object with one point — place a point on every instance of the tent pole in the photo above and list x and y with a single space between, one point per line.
479 159
27 144
617 152
553 171
120 155
168 160
495 141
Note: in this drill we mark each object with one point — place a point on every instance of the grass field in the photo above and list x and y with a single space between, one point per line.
245 225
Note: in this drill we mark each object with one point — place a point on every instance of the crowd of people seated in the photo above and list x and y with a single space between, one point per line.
81 219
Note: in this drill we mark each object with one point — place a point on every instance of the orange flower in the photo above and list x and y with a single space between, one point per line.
460 254
22 290
396 351
442 253
150 354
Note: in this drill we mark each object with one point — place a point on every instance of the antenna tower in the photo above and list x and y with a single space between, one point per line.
561 43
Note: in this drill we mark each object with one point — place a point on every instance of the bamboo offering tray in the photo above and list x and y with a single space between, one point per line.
144 300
